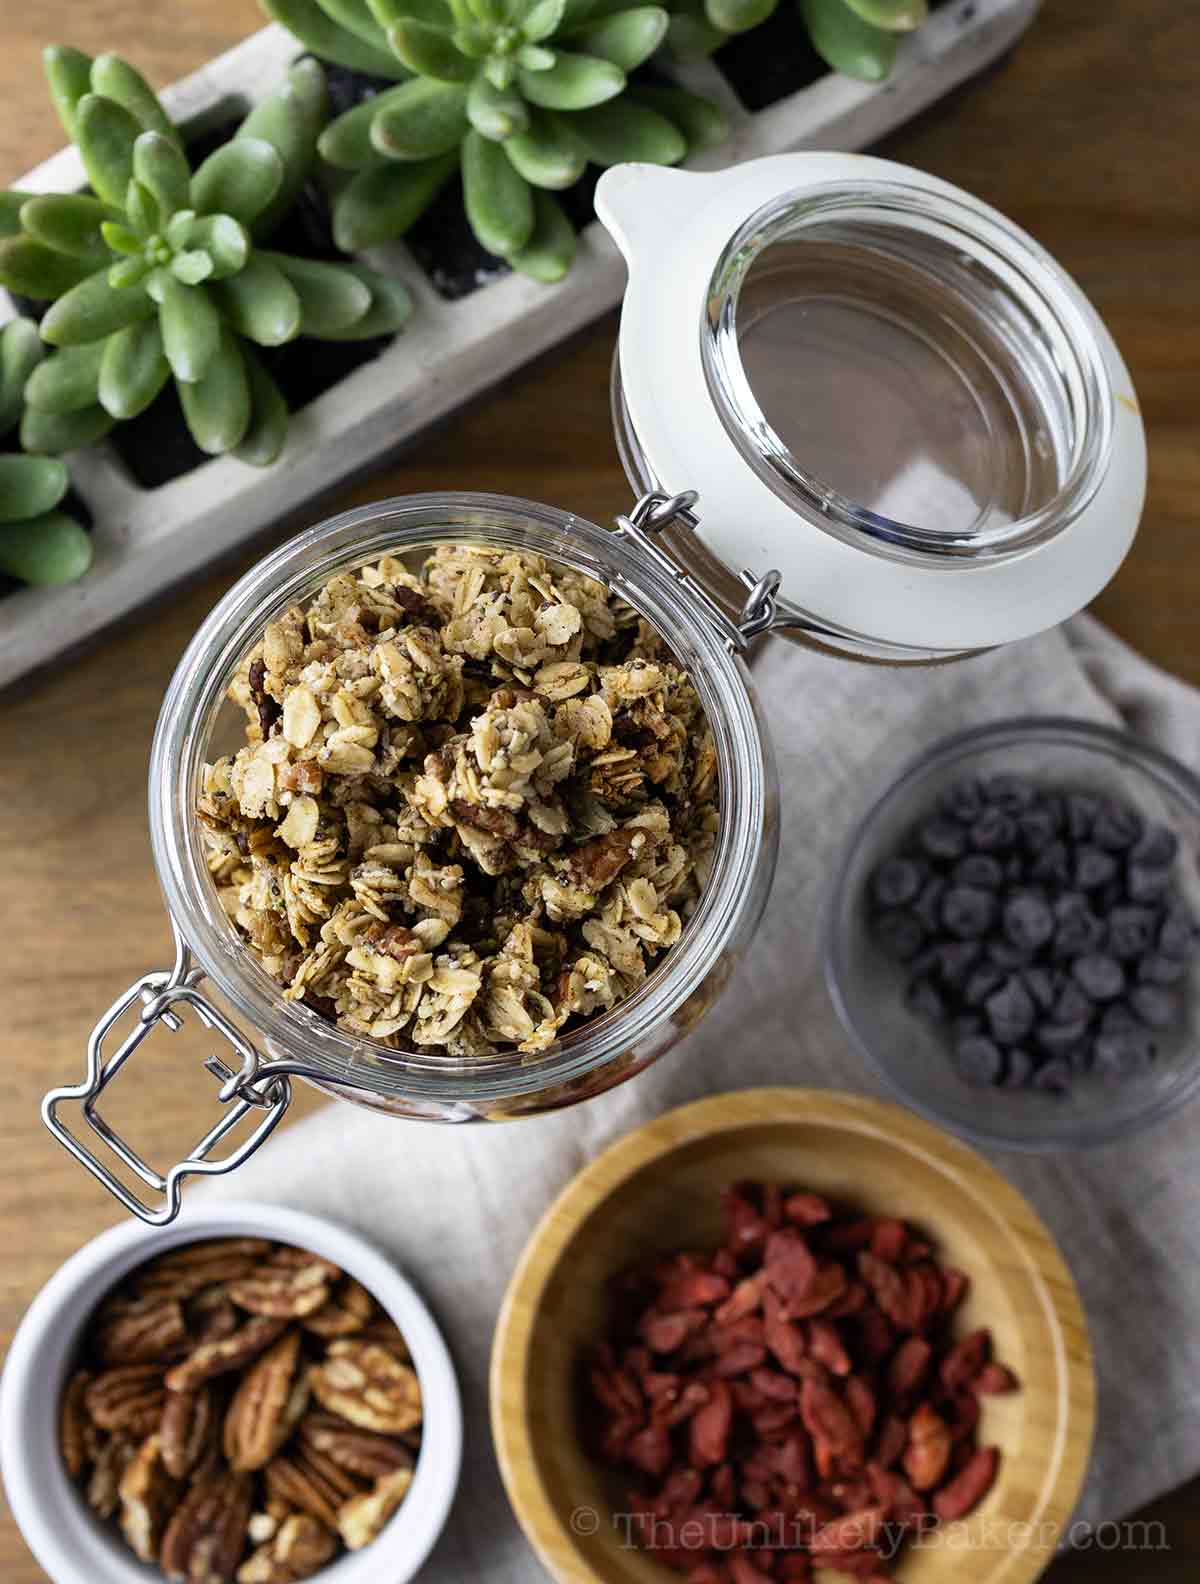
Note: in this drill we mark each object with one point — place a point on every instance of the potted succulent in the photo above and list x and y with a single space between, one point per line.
856 37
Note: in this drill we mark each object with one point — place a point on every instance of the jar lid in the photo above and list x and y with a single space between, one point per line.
879 386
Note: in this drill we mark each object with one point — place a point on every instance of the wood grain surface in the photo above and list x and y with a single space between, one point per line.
626 1209
1087 136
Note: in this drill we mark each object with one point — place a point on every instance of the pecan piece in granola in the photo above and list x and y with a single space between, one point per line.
230 1353
597 863
267 1405
347 1311
187 1427
206 1536
286 1294
369 1386
74 1425
362 1517
148 1496
269 709
148 1331
300 1547
128 1398
360 1452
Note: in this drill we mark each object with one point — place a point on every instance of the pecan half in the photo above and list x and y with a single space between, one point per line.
74 1426
285 1257
186 1429
205 1538
362 1517
360 1452
230 1353
267 1405
300 1547
310 1482
211 1316
188 1270
129 1398
283 1292
369 1386
148 1331
347 1311
387 1334
104 1486
148 1496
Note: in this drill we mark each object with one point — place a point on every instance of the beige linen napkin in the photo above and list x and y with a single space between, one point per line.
454 1205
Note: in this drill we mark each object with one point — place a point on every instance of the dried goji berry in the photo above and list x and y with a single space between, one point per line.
774 1384
876 1333
888 1239
708 1431
740 1359
965 1359
928 1450
663 1333
745 1227
855 1531
954 1288
887 1285
825 1345
692 1290
830 1423
860 1399
994 1380
806 1209
829 1286
745 1298
650 1449
784 1338
891 1441
968 1488
790 1266
908 1367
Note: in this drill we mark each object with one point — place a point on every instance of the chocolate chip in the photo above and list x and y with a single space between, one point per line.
1040 984
1146 884
1156 847
1052 866
1116 827
1093 868
942 839
1053 1076
1009 792
968 911
896 881
1078 931
899 934
1028 921
1117 1019
1019 1068
956 961
1010 1012
979 869
1082 809
1157 1008
1007 956
1160 970
1038 828
1071 1004
1130 931
981 984
928 906
923 996
1099 976
963 801
1180 934
1058 1038
994 831
978 1060
1116 1055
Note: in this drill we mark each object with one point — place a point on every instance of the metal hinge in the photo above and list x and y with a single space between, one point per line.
657 510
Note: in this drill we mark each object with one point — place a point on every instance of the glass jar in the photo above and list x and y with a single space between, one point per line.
861 409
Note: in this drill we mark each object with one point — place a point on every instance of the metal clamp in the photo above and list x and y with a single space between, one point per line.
657 510
253 1085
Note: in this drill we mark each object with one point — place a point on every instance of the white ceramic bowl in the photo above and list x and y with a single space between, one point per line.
67 1540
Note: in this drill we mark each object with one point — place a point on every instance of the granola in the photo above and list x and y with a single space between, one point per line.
474 804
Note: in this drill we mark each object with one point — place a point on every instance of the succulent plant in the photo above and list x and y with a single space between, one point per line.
159 271
855 37
38 543
517 94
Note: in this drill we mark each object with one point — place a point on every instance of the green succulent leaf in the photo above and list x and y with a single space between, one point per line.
179 228
290 119
331 297
116 79
738 16
128 272
55 433
260 302
30 485
429 51
614 133
69 223
239 179
133 369
31 269
141 209
894 16
223 240
191 328
543 20
49 549
574 82
21 350
92 310
106 135
163 171
391 306
423 119
495 114
69 74
550 251
536 57
11 204
267 431
691 36
346 141
327 40
548 156
498 199
388 12
355 16
381 202
627 39
66 381
217 407
119 238
847 43
191 266
501 72
703 123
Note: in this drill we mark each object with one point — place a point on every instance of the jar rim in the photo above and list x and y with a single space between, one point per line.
290 575
1019 266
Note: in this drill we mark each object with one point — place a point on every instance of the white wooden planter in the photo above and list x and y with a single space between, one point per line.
147 540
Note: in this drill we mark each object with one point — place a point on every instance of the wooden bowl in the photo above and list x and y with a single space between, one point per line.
657 1190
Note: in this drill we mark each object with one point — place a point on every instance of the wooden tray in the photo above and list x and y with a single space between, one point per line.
656 1191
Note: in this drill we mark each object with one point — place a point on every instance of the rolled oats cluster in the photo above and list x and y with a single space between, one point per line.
473 805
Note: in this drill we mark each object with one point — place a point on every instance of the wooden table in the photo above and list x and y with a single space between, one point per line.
1086 136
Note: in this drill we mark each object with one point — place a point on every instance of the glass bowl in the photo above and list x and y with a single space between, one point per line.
911 1052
